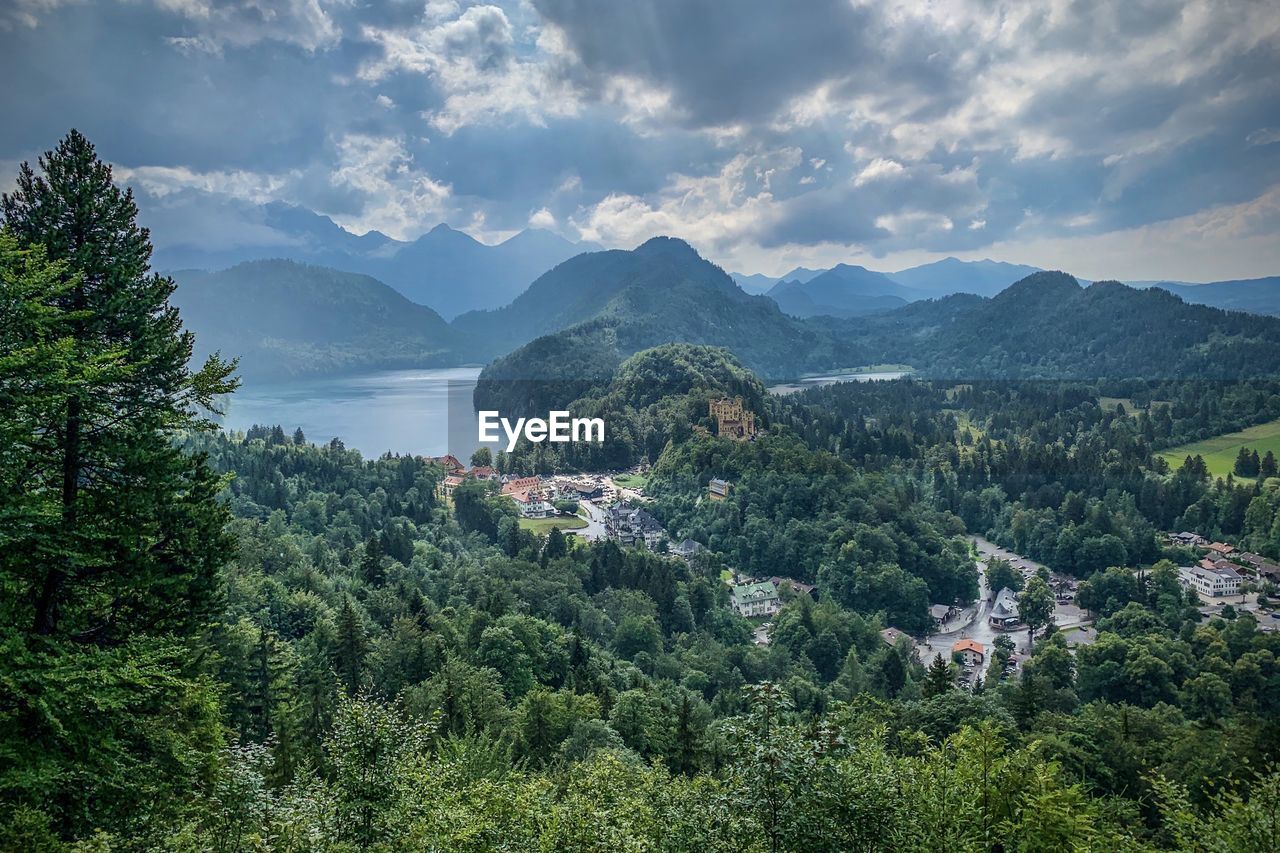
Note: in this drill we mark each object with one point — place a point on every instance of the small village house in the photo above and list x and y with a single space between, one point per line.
1004 612
969 652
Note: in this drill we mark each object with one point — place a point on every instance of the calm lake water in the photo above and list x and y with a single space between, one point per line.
403 411
818 381
426 412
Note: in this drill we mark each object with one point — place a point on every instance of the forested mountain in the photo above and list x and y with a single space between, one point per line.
1047 326
445 269
606 305
951 275
842 291
284 319
1255 295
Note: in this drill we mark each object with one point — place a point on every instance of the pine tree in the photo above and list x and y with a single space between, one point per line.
1246 463
111 536
129 534
555 547
1267 467
351 648
371 563
939 678
685 759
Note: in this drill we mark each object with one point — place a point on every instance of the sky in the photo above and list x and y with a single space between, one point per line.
1135 139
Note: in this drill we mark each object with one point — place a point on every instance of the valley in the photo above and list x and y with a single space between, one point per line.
266 592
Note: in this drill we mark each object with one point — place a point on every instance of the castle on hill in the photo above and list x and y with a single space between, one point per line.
732 419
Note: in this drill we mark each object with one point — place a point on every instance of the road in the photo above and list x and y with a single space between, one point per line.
595 522
972 622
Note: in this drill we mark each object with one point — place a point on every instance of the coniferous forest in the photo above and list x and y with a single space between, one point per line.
247 641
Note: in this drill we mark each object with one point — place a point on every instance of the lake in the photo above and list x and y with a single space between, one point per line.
404 411
422 412
808 382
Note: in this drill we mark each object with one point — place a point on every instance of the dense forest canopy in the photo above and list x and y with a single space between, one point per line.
247 641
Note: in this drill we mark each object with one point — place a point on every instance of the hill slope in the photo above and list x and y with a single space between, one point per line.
1047 326
286 319
661 292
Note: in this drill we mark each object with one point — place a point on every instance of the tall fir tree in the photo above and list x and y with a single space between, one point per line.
130 535
111 537
351 648
939 679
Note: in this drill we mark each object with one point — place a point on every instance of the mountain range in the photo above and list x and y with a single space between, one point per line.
587 313
842 291
453 273
1047 326
284 319
445 269
1255 295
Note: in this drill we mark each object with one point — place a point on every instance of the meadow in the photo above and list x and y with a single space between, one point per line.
1220 451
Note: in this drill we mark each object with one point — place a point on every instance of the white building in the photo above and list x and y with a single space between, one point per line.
1216 582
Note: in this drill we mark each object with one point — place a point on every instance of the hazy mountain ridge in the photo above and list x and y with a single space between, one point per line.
844 290
1255 295
1048 326
444 269
286 319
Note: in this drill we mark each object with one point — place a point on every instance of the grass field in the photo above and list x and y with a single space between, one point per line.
630 481
1220 451
1132 408
542 526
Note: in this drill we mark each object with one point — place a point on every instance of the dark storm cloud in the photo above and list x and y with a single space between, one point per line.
753 126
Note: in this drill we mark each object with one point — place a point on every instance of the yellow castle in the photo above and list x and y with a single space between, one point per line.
733 420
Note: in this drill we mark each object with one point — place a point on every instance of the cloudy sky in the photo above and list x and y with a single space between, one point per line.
1129 139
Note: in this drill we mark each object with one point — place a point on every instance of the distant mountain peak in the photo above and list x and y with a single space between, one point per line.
1041 286
665 244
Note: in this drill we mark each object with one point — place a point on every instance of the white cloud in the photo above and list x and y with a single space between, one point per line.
1224 242
474 61
542 218
878 169
1263 136
713 212
399 199
239 23
162 181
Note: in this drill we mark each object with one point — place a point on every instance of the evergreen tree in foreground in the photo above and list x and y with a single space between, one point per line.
129 535
110 537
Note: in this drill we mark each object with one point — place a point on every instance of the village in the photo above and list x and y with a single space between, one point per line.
611 505
607 505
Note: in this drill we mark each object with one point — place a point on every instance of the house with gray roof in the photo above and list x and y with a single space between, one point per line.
1004 612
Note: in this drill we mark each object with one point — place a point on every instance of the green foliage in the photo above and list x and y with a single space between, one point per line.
111 537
